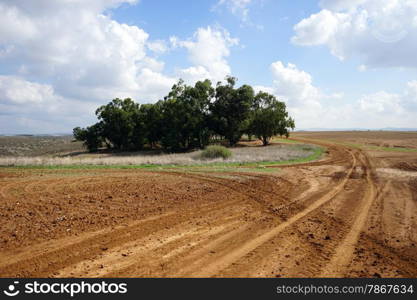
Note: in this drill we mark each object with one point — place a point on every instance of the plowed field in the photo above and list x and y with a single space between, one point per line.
351 214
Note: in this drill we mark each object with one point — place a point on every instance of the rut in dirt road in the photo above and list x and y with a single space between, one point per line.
343 254
221 263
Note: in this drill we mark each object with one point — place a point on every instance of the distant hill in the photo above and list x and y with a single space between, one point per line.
399 129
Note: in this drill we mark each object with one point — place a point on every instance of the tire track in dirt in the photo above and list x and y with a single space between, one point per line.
246 191
386 247
214 267
82 246
409 213
5 190
394 212
336 154
144 249
344 252
250 228
61 253
59 257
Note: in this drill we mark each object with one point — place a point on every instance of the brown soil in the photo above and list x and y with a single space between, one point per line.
351 214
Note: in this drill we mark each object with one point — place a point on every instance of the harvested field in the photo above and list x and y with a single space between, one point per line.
352 213
373 140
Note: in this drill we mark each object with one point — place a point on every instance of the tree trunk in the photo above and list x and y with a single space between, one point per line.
265 141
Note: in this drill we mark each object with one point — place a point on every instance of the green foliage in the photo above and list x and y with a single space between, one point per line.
212 152
188 118
184 116
151 121
120 124
231 109
269 118
91 136
79 133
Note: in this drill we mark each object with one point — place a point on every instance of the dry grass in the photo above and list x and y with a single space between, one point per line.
240 155
27 146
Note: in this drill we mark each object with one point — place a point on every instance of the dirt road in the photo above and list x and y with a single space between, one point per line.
345 215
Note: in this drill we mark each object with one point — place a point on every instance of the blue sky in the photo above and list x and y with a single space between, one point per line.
337 64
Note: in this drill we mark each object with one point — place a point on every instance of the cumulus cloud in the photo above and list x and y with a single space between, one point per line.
14 90
312 108
384 109
296 88
208 50
72 50
27 107
379 33
391 103
293 84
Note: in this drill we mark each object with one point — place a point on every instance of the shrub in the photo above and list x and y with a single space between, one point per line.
212 152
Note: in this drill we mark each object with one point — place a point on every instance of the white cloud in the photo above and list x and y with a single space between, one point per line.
339 5
362 68
72 50
319 28
266 89
379 33
207 50
237 7
383 109
295 87
30 107
15 90
381 103
313 108
391 103
194 74
158 46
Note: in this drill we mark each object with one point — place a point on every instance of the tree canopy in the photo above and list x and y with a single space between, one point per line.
188 118
231 109
269 118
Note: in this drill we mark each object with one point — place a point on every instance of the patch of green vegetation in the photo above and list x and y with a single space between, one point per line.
284 141
259 169
216 151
